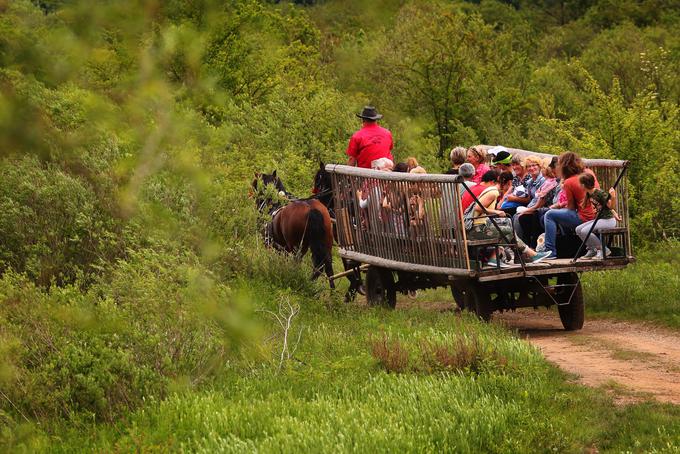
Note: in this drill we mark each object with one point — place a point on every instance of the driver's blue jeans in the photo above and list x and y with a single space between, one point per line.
564 217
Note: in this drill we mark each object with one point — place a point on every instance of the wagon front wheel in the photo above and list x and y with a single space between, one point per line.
477 299
572 314
380 288
482 299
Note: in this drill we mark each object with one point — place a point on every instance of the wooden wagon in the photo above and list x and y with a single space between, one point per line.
405 252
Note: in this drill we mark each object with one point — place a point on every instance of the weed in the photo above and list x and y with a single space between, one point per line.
459 354
390 353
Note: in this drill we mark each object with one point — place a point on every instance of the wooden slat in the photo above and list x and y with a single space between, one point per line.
552 267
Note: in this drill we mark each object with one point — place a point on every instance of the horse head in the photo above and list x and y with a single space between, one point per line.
322 179
323 186
267 189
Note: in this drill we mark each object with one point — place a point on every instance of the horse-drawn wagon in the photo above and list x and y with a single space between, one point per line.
406 251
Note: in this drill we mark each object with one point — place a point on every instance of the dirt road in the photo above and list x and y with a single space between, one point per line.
633 360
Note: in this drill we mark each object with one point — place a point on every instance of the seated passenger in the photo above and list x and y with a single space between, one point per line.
482 228
504 184
534 166
416 209
502 161
518 195
521 177
607 219
477 157
528 222
394 209
578 209
401 167
412 163
457 156
370 194
467 171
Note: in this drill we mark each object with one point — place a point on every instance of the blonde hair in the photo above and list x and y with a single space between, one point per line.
479 152
411 162
418 169
533 159
458 156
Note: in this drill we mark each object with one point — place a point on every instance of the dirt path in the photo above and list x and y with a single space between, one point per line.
633 360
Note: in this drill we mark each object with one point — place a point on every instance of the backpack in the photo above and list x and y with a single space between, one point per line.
468 215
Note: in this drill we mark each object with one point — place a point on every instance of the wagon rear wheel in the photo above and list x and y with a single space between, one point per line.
380 288
458 297
572 314
478 300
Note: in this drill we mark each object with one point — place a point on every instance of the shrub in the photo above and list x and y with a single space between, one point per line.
458 353
161 320
52 225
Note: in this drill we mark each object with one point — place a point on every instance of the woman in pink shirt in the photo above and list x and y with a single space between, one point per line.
477 157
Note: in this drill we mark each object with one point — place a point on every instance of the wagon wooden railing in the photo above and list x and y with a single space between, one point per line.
378 219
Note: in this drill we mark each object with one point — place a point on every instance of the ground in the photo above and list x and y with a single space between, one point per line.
633 360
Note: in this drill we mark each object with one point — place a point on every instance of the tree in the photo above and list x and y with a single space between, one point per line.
467 76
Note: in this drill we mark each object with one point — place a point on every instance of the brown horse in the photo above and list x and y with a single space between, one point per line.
323 191
297 226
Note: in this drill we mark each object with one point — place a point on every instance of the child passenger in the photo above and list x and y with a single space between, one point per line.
607 219
482 229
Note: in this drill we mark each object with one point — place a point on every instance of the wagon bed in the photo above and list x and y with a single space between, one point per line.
436 252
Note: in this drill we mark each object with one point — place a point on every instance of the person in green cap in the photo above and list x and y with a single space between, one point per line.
502 162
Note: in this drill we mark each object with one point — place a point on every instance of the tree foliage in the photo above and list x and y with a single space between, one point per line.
130 130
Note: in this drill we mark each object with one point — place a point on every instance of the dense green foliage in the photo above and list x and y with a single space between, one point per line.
130 130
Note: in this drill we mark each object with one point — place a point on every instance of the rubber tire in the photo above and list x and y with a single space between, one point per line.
480 301
573 314
380 288
458 297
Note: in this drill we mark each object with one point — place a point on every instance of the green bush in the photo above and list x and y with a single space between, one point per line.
160 320
52 226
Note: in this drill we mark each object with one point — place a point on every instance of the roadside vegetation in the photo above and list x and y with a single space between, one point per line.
137 303
344 390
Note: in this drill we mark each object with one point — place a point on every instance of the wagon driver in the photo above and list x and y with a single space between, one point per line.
371 146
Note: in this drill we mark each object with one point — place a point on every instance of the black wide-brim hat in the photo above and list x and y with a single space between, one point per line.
370 113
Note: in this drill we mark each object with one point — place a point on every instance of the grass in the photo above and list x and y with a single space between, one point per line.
372 380
457 385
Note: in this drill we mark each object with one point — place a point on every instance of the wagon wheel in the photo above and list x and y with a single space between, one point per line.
380 288
458 297
478 299
572 314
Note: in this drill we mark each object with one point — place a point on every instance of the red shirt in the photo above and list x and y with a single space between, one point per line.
576 197
466 200
370 143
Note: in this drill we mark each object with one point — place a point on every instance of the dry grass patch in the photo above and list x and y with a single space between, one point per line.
451 354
